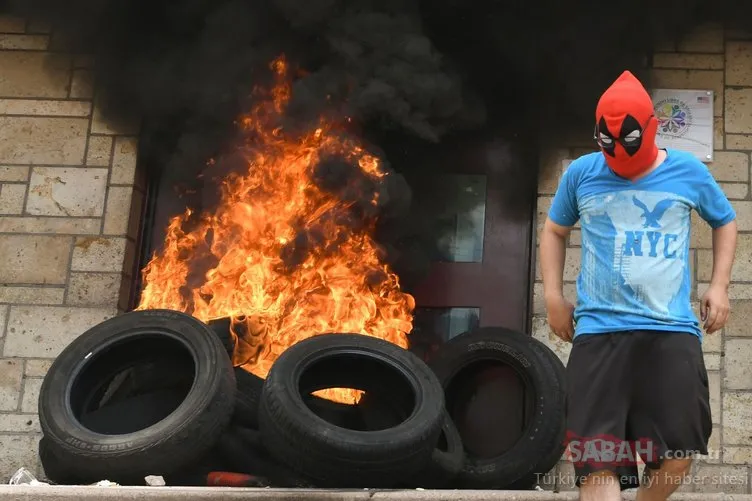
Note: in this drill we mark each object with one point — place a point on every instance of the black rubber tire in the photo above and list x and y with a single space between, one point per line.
379 412
247 396
446 462
152 372
543 437
55 470
181 438
112 419
221 328
137 412
337 457
548 461
338 413
196 473
243 451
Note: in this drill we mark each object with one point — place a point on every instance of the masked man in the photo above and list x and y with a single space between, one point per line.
636 375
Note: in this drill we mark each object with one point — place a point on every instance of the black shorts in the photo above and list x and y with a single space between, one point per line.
633 392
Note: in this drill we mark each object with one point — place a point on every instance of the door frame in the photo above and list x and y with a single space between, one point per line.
528 150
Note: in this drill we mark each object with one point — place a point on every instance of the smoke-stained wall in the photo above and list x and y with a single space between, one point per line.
405 73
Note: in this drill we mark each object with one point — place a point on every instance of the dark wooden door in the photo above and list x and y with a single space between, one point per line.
484 274
482 278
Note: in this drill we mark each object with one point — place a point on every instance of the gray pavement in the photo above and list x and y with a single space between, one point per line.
70 493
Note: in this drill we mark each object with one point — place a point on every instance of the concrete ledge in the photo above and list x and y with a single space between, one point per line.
60 493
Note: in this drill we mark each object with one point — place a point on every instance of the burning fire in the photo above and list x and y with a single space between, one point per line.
339 284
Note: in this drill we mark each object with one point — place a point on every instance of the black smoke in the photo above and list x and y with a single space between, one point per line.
409 74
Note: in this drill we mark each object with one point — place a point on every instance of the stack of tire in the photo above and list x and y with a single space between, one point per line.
155 393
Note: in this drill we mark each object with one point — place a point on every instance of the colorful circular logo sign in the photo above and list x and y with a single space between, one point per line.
674 116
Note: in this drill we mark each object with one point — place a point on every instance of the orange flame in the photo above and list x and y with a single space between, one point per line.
274 305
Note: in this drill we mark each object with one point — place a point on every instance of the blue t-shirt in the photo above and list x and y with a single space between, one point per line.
635 272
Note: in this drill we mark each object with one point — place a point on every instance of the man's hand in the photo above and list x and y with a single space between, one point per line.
714 308
553 246
561 317
714 305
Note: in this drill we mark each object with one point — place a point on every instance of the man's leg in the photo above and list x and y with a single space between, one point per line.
663 482
600 486
672 410
599 388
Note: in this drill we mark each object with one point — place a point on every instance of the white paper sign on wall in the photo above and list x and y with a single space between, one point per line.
685 120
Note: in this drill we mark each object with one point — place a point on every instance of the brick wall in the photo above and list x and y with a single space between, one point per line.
707 59
66 193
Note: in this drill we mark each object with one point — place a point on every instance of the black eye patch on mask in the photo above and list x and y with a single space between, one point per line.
630 136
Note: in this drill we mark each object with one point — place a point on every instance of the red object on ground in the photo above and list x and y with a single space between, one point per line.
229 479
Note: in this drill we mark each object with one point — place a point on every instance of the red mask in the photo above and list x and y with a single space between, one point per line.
625 127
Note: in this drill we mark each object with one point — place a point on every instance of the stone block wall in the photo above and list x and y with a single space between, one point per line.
709 58
67 188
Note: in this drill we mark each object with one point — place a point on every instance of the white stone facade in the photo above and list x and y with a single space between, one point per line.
67 188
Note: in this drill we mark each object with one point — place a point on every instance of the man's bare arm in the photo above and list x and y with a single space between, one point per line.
552 253
714 305
724 249
553 244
